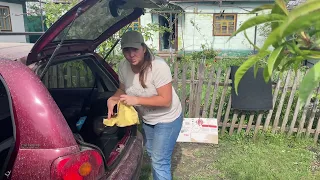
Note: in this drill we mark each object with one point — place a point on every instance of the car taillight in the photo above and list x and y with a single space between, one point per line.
81 166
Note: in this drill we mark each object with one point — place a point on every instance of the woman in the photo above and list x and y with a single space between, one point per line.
145 82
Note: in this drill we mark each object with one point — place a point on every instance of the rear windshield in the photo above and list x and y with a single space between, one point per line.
92 23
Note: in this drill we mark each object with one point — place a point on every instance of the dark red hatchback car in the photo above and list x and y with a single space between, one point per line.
53 98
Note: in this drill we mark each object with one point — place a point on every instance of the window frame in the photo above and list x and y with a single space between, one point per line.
132 25
224 14
10 22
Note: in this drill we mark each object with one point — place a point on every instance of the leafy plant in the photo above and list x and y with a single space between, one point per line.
294 37
55 10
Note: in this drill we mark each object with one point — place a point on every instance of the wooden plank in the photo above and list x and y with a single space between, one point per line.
199 89
274 100
257 125
215 92
226 116
193 67
55 76
313 114
229 84
61 76
225 89
291 98
208 92
176 68
250 122
243 115
183 96
77 80
294 118
68 76
304 115
316 134
86 74
233 122
313 131
283 96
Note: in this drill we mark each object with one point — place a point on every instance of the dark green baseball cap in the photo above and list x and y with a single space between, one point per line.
132 39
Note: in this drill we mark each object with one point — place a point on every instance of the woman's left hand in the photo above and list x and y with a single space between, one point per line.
129 100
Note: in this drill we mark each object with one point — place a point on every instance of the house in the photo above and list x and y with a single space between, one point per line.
205 23
12 19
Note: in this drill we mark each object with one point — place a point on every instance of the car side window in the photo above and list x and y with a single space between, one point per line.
71 74
6 127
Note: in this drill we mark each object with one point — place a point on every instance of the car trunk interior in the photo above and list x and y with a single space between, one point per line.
81 88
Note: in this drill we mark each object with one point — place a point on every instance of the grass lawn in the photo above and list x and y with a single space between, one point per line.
239 157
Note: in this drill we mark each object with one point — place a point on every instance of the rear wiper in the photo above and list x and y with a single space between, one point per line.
60 44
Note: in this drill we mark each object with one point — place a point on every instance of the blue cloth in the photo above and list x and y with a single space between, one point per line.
160 141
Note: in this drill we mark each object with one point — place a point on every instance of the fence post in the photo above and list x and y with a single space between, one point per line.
176 68
183 96
225 88
293 90
215 92
199 89
283 95
313 114
274 99
226 117
208 92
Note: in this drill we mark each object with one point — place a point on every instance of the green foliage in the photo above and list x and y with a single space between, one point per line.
294 37
55 10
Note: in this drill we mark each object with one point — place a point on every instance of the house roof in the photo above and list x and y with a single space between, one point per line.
293 3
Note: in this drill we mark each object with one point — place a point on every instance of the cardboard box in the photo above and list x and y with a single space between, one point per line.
199 130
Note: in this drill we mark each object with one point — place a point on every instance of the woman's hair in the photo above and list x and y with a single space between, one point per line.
147 64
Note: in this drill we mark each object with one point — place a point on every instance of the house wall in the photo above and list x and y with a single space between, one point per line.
192 37
17 21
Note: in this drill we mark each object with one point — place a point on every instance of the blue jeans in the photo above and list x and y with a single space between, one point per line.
160 141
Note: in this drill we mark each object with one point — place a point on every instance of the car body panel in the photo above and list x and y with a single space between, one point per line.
131 162
36 163
37 116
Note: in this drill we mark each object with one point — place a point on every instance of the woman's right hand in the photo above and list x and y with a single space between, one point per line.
111 103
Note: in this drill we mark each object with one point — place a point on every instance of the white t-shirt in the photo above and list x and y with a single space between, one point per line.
158 76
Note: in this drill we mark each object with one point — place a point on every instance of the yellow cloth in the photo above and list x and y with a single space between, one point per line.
126 116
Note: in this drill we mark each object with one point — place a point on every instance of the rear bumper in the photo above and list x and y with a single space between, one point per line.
130 165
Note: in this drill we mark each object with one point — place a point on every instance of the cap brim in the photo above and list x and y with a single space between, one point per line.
131 45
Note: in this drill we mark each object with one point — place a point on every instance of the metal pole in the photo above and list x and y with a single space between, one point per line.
41 16
255 38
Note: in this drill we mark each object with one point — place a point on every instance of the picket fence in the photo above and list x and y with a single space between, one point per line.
205 91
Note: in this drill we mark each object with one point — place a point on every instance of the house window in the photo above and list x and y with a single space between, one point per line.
224 25
5 19
135 25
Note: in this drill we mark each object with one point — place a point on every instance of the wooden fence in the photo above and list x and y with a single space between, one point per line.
206 92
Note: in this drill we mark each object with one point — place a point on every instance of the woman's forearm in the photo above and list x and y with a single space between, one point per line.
117 95
154 101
